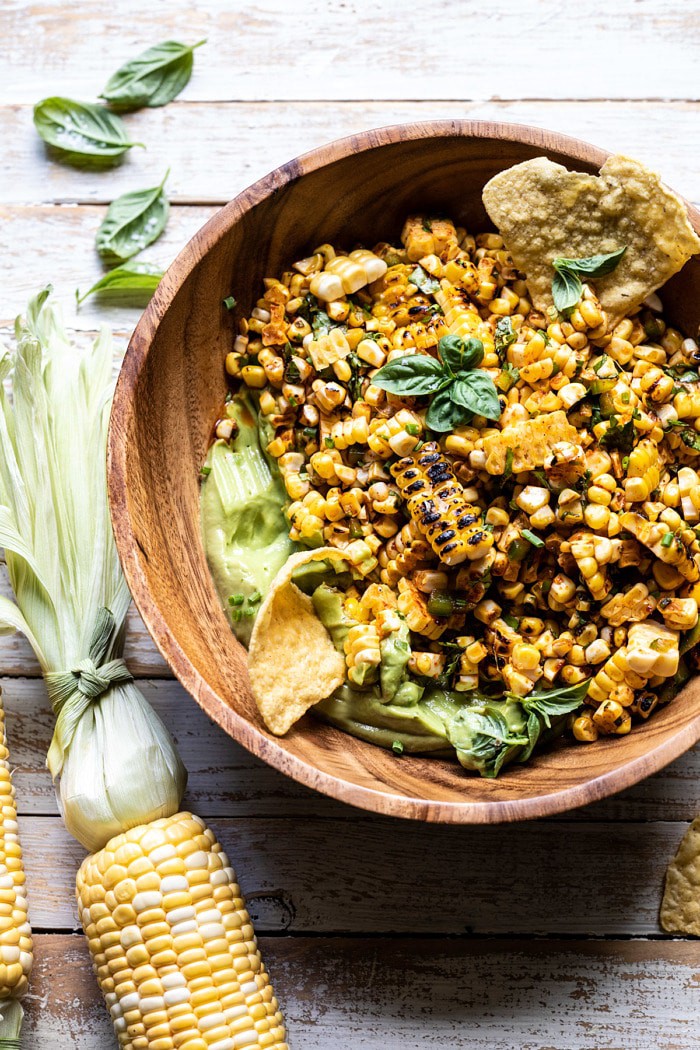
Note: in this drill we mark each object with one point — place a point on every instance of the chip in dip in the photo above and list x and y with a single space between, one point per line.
544 212
680 908
292 661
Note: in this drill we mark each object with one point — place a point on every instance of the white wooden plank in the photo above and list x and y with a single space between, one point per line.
360 874
214 151
225 780
415 995
277 50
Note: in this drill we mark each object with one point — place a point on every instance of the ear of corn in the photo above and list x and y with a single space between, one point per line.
172 944
15 932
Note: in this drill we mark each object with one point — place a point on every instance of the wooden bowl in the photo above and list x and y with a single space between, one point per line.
169 394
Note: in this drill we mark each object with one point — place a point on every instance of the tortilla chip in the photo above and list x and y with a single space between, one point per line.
292 661
680 908
543 212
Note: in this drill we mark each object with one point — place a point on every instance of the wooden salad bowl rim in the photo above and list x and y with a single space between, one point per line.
134 558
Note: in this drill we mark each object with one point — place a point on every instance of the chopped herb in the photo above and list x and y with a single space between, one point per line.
427 226
397 747
508 472
412 429
422 280
504 336
512 621
236 599
229 302
205 472
329 442
532 538
619 437
667 539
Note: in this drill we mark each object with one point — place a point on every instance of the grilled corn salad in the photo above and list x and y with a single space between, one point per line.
515 494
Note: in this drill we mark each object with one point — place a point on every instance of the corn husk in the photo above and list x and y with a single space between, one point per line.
114 760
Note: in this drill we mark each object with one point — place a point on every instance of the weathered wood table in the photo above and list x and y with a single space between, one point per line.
378 933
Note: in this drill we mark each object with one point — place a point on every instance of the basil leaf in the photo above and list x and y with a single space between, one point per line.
459 354
476 392
133 221
424 281
552 703
619 437
412 375
504 336
593 265
444 414
135 282
487 735
566 290
82 132
153 78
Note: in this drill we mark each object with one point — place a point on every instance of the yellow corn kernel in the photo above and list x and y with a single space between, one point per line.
584 729
254 376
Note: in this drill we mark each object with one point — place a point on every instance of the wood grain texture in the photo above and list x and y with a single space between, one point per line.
380 994
226 780
505 49
352 874
358 190
216 150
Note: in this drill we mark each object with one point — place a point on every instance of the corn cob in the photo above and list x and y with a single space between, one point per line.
592 554
435 500
461 316
15 932
405 553
171 942
616 680
652 535
643 472
532 441
414 608
423 237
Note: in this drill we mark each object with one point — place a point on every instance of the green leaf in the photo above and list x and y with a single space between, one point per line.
132 222
592 265
458 354
487 735
133 282
566 290
552 703
153 78
504 336
83 133
444 414
424 281
413 375
619 437
476 392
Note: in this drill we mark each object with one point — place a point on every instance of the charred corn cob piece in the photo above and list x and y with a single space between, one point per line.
592 554
15 932
680 614
421 237
616 680
531 441
653 535
461 316
172 944
628 606
405 553
643 472
414 607
362 653
435 500
652 649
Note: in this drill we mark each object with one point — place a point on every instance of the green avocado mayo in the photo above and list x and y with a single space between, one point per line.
244 530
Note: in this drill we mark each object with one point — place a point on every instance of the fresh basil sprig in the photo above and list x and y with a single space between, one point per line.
132 222
567 286
83 133
153 78
458 389
133 282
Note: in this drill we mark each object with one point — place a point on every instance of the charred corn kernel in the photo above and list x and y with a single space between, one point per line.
429 665
532 498
517 682
326 286
596 516
435 501
563 589
370 352
612 719
643 704
414 607
497 516
487 611
422 236
525 657
584 728
463 318
360 556
627 606
212 987
680 614
253 376
597 652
